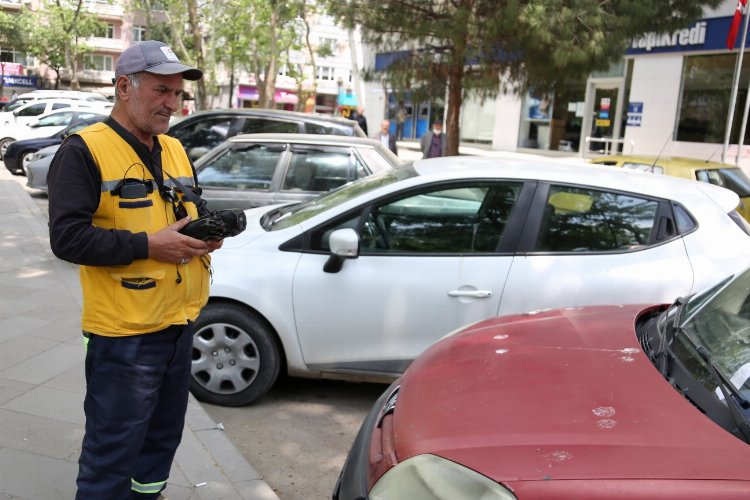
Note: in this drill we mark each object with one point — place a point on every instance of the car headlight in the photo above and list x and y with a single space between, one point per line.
435 478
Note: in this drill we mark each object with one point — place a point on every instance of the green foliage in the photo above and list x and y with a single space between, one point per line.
542 42
55 32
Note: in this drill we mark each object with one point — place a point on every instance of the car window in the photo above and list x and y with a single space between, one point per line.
56 119
201 136
730 178
583 220
35 109
60 105
249 167
253 125
317 171
316 128
466 219
643 167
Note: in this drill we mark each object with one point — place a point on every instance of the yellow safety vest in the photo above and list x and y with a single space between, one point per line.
147 295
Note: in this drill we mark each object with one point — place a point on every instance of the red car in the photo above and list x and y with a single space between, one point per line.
606 402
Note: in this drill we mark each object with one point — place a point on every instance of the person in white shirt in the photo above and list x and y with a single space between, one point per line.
384 136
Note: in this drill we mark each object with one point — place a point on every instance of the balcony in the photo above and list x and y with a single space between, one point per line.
90 76
11 4
108 44
105 8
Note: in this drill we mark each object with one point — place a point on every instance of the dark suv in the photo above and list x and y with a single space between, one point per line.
202 131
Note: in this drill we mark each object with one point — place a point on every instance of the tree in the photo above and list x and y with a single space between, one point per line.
181 27
257 35
11 34
484 47
54 35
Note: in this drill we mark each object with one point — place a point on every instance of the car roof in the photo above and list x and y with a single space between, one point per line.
275 113
578 173
672 162
307 139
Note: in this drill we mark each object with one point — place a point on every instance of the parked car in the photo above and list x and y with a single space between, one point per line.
38 167
359 281
721 174
15 122
19 154
612 402
204 130
81 95
261 169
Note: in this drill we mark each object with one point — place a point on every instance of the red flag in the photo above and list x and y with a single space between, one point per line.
735 26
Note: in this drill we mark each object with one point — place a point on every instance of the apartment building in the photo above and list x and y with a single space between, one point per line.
125 25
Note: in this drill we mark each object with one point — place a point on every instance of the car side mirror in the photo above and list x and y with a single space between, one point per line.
344 245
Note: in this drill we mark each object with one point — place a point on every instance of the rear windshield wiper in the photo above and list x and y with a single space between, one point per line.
667 335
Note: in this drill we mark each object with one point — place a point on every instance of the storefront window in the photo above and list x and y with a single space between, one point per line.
704 100
552 120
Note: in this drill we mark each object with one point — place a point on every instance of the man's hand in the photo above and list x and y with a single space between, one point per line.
169 245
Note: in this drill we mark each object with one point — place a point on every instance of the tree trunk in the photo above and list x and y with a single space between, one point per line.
267 90
453 118
195 28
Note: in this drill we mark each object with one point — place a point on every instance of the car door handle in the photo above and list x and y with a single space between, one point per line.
477 294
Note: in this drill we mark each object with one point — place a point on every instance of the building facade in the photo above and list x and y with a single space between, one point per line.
124 25
669 94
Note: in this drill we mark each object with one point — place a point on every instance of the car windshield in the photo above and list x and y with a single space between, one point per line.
702 346
730 178
719 320
295 214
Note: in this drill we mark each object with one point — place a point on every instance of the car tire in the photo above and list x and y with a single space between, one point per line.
23 161
4 143
236 358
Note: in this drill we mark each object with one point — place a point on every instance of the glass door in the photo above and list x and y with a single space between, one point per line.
603 121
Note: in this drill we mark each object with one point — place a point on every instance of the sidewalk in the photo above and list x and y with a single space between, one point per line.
42 379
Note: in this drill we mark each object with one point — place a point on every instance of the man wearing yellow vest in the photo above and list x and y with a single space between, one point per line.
116 205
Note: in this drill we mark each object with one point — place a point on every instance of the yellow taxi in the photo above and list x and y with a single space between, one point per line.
720 174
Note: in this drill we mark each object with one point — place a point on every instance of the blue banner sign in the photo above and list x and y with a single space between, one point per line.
20 81
706 34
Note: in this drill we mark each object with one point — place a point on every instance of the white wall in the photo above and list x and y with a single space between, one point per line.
507 123
478 119
655 83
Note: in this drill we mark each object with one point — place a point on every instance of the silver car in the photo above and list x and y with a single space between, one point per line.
253 170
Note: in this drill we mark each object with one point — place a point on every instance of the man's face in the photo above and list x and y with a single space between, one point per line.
152 103
385 126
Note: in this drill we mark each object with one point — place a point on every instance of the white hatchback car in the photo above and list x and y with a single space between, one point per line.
360 281
14 125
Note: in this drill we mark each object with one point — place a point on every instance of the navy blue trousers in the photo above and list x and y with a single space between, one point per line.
136 399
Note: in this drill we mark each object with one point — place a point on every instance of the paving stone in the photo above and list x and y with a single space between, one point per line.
11 389
40 435
52 403
18 349
36 477
46 364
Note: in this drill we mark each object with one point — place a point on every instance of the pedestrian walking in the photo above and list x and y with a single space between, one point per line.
115 211
383 135
361 119
400 120
434 141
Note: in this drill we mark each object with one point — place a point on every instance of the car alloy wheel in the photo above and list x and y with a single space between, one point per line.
235 356
25 161
4 143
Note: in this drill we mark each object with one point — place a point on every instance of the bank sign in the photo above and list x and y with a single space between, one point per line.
706 34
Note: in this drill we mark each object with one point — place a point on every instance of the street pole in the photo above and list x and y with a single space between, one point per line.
735 85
